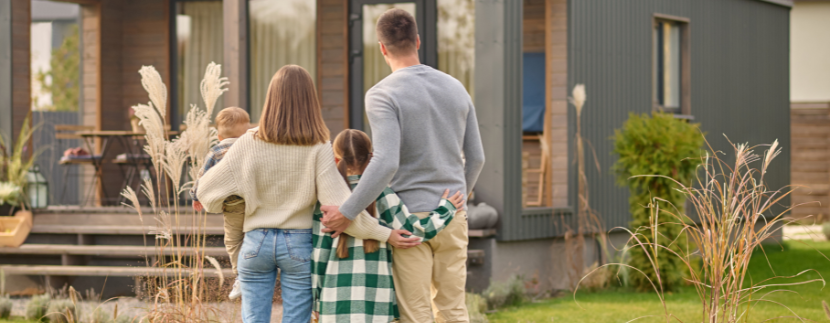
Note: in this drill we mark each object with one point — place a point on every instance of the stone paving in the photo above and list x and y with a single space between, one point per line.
804 232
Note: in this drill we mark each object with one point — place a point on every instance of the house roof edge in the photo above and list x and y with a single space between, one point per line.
783 3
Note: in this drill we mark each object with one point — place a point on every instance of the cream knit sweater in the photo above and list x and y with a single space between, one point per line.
281 185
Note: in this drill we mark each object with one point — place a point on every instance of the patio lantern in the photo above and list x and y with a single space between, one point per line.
37 189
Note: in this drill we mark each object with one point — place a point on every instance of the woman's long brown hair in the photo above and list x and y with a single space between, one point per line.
292 114
353 149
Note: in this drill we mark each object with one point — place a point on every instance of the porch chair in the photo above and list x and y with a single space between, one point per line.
70 132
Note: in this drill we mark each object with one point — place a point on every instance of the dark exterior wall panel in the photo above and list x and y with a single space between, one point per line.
6 70
739 79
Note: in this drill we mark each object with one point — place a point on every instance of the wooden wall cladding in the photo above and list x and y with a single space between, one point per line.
21 75
545 24
810 169
533 26
333 63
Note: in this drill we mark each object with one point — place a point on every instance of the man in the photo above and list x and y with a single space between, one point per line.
422 121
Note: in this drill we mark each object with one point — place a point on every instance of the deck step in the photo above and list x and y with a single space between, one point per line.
116 229
112 223
109 271
86 250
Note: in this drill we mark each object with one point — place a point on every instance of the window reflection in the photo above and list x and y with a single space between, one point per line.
199 35
456 40
281 32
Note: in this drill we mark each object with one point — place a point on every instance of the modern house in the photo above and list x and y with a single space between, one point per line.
722 63
810 103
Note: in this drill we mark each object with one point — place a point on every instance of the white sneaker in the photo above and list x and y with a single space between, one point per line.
236 292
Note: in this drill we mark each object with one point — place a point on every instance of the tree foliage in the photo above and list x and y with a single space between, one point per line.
656 145
63 78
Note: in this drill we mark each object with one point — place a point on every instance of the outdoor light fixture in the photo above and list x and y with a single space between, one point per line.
37 188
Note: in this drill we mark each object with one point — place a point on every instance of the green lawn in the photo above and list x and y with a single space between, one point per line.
622 306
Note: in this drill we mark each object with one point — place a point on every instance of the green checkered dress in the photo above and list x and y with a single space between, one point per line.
360 288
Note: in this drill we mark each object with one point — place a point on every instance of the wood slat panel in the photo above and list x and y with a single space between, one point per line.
51 249
21 74
810 168
112 271
332 74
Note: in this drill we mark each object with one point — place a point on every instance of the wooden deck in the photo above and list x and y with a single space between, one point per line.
111 251
46 252
105 271
107 242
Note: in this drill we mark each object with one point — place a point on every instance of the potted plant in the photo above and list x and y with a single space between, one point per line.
14 167
13 170
9 198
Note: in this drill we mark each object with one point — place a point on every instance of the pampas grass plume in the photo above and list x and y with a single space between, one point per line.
218 269
212 86
578 98
131 196
154 85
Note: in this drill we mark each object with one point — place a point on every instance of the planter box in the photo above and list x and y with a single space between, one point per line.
14 230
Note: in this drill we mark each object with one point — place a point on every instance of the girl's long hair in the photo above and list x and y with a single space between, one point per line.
292 114
353 149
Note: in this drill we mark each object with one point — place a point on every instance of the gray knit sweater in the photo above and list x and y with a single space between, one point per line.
422 121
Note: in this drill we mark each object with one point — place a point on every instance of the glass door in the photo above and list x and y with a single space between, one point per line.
366 63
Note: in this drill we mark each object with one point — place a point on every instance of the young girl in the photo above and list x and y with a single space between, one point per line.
354 283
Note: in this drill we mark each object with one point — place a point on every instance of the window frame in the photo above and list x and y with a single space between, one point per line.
176 119
685 64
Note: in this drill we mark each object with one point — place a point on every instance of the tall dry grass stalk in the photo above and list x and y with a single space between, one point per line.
588 223
178 294
736 212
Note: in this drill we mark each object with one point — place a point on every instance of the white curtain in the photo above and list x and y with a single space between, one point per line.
282 32
374 66
199 31
456 40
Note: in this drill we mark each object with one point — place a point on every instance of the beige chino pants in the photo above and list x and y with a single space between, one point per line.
430 279
234 211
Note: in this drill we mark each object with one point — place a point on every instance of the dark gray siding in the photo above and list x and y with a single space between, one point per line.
740 78
64 180
6 71
498 91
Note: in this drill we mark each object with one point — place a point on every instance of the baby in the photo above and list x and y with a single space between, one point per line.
231 123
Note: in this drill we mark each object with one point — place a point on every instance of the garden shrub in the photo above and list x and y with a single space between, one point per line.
663 145
476 307
508 293
5 307
59 310
37 307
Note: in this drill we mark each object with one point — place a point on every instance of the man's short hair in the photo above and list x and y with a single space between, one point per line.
232 122
398 31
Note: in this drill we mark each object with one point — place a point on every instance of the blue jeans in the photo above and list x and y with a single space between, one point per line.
263 252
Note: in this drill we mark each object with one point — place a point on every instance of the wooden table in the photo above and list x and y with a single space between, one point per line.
129 140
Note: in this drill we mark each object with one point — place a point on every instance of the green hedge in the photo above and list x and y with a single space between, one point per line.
656 145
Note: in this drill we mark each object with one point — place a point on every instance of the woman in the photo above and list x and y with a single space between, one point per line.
281 170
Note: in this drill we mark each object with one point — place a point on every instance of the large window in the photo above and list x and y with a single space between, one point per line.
56 56
670 65
199 41
281 32
456 40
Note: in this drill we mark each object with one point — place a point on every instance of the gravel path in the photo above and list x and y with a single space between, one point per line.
804 232
132 307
